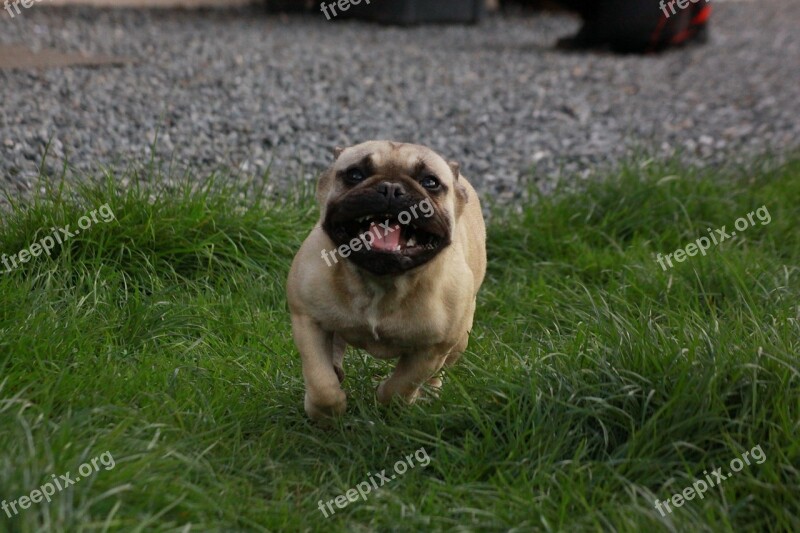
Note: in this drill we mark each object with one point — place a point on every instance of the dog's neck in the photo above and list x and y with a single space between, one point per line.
394 287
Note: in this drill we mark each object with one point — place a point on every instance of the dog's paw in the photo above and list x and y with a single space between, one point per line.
325 406
386 396
431 390
435 384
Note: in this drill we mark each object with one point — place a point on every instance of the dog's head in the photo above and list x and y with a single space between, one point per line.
390 207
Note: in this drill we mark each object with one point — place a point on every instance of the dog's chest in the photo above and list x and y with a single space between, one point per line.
372 311
382 320
379 305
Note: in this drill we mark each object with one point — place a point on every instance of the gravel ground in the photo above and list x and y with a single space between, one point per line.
246 90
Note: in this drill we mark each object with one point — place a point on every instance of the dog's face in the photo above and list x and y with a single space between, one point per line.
400 201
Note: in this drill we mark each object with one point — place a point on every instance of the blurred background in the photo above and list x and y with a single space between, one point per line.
269 87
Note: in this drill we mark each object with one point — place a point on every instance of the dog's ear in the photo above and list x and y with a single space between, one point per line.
325 181
461 191
455 168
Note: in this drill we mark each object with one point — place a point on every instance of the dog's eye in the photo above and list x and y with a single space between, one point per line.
430 182
355 176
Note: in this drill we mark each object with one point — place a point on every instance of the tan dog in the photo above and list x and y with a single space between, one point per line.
392 267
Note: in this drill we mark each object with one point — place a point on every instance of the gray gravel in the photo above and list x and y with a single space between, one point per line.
246 90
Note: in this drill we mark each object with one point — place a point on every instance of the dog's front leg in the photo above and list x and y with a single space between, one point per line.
412 371
324 396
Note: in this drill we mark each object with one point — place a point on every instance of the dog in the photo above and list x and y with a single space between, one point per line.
401 287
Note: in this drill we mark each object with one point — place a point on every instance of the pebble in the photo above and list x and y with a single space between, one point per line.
250 91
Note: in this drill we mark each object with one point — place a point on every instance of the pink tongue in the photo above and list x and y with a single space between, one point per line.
387 242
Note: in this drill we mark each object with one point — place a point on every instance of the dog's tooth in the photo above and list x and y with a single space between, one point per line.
412 241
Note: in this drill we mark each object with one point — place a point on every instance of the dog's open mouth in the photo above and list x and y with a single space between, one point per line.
387 234
387 240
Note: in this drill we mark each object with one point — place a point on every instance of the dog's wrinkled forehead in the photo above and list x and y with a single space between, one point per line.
389 157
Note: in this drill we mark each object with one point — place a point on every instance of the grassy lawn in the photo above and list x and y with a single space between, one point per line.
595 383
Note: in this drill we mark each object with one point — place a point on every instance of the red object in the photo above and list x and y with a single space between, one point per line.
674 30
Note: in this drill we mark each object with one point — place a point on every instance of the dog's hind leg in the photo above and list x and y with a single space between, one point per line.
452 358
456 351
339 347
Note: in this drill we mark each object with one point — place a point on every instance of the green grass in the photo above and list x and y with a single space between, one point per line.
595 382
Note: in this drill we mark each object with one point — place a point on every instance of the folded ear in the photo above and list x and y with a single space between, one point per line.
337 151
456 168
461 191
